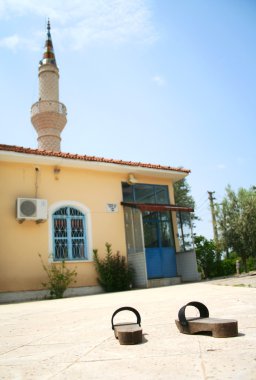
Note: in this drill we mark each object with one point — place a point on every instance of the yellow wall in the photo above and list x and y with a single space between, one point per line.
20 244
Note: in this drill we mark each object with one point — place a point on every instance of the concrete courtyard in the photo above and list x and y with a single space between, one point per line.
72 338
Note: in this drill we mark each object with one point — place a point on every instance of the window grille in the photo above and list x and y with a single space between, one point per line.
69 234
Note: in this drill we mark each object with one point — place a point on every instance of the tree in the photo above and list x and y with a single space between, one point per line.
182 194
183 197
206 256
236 218
184 219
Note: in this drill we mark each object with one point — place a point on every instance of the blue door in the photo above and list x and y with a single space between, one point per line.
159 244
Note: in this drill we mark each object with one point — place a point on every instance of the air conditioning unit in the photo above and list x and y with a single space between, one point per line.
31 209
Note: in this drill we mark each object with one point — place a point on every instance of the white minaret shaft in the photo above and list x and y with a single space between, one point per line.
48 115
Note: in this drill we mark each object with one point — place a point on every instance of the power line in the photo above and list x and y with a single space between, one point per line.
204 214
201 199
199 207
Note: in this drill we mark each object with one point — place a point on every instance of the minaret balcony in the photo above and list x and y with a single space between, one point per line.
48 106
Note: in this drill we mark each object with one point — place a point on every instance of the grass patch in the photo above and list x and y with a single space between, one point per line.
243 285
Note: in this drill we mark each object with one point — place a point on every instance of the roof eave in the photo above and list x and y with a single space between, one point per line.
37 159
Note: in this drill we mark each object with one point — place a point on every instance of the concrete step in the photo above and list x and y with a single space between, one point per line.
157 282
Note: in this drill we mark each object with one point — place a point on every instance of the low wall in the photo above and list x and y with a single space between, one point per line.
187 266
36 295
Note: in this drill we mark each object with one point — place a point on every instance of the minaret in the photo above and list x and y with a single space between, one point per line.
48 115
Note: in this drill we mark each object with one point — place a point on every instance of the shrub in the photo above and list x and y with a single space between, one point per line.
206 256
226 267
114 272
251 264
59 278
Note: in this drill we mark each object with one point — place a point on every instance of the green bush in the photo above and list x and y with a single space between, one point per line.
251 264
206 256
226 267
113 271
59 278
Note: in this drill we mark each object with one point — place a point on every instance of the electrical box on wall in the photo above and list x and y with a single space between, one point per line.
31 209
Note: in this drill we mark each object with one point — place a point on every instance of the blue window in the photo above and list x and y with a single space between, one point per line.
69 234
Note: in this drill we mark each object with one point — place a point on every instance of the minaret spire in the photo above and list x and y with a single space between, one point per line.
48 115
48 56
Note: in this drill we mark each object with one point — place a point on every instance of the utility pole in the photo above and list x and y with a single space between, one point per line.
214 224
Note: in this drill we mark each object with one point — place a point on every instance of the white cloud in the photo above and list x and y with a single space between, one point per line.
79 23
10 42
159 80
15 41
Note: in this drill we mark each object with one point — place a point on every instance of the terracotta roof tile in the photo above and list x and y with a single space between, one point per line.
70 156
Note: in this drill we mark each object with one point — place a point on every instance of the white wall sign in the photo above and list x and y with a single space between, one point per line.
112 207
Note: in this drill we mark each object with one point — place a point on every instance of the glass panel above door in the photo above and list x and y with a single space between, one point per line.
145 193
162 196
127 192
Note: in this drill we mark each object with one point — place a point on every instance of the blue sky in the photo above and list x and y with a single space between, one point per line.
169 82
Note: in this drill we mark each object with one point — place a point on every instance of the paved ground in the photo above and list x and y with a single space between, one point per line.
241 280
72 339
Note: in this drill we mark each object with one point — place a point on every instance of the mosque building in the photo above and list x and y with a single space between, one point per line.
62 206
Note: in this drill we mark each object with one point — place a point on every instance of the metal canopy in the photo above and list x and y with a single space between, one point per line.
157 207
